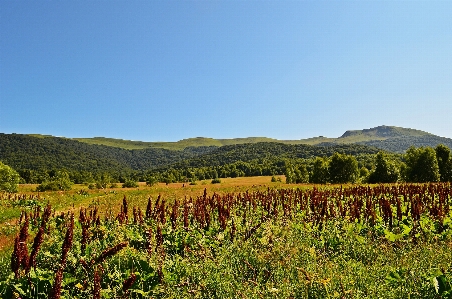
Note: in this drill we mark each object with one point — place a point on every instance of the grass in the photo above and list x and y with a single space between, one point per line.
261 252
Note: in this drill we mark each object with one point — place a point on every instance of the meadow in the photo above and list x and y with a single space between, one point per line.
242 238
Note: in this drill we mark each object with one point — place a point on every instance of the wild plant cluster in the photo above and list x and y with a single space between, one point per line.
252 239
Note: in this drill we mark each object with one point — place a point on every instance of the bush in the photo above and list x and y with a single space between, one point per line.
60 181
216 181
130 184
9 178
151 181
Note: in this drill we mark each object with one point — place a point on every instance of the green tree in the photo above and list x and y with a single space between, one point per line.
363 175
129 183
60 181
9 178
385 170
343 169
444 162
151 180
289 173
301 174
421 165
320 174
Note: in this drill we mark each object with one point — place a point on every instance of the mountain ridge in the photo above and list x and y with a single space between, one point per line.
384 137
390 138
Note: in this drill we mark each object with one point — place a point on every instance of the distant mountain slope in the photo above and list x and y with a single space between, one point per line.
400 145
177 145
269 150
389 138
383 132
28 152
46 152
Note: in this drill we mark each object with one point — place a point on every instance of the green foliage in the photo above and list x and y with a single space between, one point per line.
421 165
151 180
9 179
343 169
296 174
129 183
60 181
385 170
444 162
266 244
216 181
320 173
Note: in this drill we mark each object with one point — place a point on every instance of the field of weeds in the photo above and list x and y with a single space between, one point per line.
237 239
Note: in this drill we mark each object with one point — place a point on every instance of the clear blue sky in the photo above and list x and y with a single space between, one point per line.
168 70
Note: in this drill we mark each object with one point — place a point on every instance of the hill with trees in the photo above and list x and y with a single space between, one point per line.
388 138
38 157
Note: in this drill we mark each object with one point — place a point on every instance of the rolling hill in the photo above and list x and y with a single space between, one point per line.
43 153
390 138
47 153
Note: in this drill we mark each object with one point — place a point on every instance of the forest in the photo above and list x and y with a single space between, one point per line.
56 163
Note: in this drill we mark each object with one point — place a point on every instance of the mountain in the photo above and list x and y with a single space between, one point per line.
178 145
381 132
36 155
25 152
390 138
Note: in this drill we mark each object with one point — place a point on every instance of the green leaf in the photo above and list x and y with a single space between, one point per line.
441 284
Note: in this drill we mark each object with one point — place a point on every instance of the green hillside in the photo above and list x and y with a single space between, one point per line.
41 154
389 138
177 145
380 133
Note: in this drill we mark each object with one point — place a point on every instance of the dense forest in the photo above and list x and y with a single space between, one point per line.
38 158
58 162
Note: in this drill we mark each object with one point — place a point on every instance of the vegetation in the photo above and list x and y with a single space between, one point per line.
59 181
421 165
343 169
84 163
385 241
253 240
388 138
9 178
130 184
386 171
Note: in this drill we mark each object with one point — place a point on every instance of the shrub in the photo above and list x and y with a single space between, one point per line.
130 184
9 178
216 181
60 181
151 181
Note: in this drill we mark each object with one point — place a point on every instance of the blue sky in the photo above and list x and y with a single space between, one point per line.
168 70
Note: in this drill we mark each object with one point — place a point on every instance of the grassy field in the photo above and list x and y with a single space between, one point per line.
242 238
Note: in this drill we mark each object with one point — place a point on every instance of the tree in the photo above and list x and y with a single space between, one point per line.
385 170
363 174
129 183
444 163
9 178
290 175
320 174
421 165
60 181
301 174
343 169
151 180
